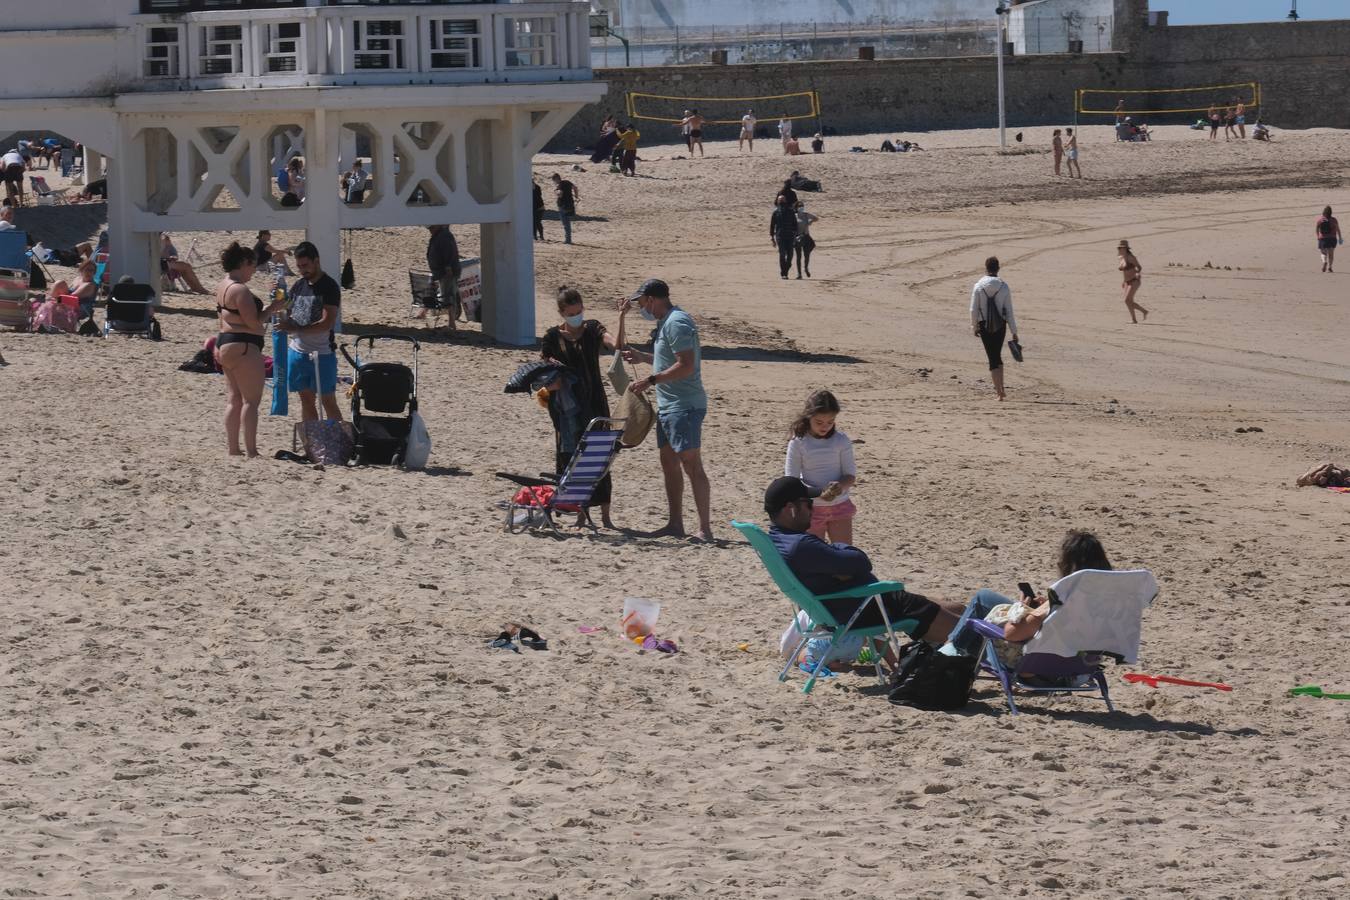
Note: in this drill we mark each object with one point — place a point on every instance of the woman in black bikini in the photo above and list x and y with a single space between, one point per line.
239 346
1130 272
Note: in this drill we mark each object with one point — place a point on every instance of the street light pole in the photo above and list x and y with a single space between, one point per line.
1002 10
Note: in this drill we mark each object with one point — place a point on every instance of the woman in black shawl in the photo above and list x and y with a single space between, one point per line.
576 344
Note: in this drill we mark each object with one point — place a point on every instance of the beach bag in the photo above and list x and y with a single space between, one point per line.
327 442
639 417
618 375
419 444
53 316
927 679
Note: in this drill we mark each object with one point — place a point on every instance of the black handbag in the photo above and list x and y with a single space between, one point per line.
927 679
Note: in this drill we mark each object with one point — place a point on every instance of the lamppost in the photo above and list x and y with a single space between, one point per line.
1001 11
1293 10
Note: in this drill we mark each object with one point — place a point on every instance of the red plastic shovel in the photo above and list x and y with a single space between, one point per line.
1154 680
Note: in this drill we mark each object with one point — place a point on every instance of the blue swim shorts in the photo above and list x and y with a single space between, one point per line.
300 372
681 431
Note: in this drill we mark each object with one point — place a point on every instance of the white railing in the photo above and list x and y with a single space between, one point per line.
303 46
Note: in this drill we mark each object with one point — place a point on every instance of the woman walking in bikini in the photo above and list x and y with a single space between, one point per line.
1130 272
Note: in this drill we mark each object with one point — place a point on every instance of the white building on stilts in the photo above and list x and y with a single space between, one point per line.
193 105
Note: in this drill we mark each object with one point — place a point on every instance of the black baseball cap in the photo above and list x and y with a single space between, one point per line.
786 490
652 287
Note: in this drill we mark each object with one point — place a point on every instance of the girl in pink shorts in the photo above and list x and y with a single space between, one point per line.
822 456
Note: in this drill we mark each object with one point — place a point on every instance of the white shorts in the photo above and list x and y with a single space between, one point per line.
747 134
1073 154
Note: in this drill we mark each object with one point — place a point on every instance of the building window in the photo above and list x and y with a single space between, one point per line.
222 50
379 44
531 43
455 44
163 53
281 48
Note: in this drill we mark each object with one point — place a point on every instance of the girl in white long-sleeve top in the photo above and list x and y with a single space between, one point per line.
822 456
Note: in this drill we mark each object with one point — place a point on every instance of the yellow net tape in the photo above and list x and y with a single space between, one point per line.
764 107
1252 101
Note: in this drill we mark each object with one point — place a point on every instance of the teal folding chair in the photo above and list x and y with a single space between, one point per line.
815 609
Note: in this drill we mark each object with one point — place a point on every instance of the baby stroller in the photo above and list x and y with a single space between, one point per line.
389 389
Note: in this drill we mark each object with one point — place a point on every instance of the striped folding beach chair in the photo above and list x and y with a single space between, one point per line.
533 507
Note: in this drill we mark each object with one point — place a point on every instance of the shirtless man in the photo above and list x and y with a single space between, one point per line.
747 131
693 125
1073 153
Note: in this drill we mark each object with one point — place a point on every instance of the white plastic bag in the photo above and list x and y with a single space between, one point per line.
639 616
419 444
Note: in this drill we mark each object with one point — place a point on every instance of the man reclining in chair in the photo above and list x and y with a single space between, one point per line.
825 568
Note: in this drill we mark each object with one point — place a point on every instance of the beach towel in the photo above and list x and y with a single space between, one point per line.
281 395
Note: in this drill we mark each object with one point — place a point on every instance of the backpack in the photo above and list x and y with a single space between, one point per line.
927 679
1324 228
993 319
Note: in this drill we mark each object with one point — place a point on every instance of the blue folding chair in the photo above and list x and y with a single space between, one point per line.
572 491
1095 614
15 309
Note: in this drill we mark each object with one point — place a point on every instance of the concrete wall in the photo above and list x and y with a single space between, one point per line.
889 45
1303 68
1048 26
655 14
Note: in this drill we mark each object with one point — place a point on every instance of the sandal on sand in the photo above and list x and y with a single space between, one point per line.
531 639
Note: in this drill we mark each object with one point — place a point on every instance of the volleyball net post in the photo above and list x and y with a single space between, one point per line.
1165 101
722 110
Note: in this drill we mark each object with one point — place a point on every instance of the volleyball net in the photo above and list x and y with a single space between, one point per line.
1164 101
723 110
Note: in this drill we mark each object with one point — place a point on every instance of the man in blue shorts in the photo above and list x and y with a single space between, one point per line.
311 321
681 403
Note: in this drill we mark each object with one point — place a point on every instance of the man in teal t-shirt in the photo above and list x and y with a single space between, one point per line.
681 403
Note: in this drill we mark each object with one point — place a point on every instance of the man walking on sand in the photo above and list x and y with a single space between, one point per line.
681 403
1073 153
747 131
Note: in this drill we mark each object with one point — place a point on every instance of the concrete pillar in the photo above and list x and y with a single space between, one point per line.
323 210
131 252
93 166
508 247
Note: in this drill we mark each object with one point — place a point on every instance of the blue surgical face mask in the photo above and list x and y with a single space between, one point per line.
575 321
647 314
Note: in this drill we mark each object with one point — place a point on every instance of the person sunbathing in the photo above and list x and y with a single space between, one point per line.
1022 619
84 287
175 267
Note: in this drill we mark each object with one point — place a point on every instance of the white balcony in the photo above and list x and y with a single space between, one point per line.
473 43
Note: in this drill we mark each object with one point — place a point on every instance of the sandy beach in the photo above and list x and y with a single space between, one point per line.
228 678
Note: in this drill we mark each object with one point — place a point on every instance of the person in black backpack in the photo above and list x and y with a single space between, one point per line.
1328 233
991 318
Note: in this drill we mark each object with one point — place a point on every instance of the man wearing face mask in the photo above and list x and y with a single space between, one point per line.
681 403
